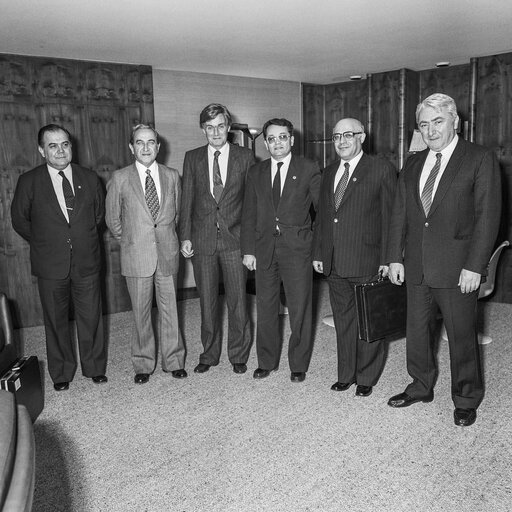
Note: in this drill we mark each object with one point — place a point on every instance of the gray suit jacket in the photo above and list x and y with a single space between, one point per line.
200 214
144 242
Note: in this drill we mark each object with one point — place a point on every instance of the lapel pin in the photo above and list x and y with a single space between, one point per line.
294 177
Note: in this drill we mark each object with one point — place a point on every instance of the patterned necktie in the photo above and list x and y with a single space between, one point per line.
276 186
426 195
218 187
69 197
151 195
341 187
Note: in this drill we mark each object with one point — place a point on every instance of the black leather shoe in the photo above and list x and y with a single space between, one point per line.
179 374
141 378
363 390
202 368
404 400
341 386
239 367
61 386
100 379
298 376
260 373
464 417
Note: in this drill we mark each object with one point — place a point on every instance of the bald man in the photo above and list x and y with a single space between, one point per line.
356 196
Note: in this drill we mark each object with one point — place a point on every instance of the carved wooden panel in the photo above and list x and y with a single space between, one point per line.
494 129
98 103
454 81
313 122
345 99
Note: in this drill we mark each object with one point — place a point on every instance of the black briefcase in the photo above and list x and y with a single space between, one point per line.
23 378
381 309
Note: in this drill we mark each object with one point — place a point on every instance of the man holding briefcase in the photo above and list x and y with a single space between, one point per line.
351 229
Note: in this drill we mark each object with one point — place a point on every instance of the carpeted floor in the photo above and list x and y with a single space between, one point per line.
225 442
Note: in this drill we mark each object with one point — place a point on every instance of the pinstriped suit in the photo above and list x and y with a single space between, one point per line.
149 256
351 245
217 249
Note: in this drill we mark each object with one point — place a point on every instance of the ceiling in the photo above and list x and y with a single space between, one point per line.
322 41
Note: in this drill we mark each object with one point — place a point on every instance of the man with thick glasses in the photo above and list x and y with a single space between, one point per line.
445 221
213 190
276 242
350 234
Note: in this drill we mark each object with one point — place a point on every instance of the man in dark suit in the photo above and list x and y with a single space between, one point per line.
213 189
349 243
57 208
142 213
443 228
276 242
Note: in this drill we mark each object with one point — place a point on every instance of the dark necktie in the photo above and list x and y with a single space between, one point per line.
69 197
341 187
426 194
276 186
151 195
218 187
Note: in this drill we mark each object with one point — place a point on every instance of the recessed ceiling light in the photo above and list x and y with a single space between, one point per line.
355 77
444 64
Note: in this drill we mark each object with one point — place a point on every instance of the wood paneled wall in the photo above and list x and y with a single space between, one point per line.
98 103
386 102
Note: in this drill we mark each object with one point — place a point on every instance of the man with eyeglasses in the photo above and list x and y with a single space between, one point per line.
277 242
350 234
143 202
213 189
445 221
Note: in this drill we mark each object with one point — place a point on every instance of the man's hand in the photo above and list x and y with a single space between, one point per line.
186 249
384 270
249 261
469 281
318 266
396 273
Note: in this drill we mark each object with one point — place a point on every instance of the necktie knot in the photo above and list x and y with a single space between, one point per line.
216 154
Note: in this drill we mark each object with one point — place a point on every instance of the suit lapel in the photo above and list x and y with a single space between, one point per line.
49 191
137 188
357 175
204 173
449 174
330 174
415 171
164 187
232 163
78 184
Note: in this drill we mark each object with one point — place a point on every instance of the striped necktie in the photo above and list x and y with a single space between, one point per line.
218 187
151 195
341 187
69 197
426 194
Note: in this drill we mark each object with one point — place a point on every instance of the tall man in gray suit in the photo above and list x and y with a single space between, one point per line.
350 233
143 202
57 208
213 189
277 243
442 232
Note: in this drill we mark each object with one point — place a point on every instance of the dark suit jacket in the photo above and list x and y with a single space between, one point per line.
300 191
144 241
358 231
37 217
200 213
462 225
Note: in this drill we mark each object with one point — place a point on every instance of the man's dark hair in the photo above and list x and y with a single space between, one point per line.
142 126
211 111
278 122
50 128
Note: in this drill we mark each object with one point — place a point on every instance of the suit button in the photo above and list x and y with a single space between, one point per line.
335 221
426 224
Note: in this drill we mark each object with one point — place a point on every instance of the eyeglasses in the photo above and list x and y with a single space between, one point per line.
283 137
336 137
